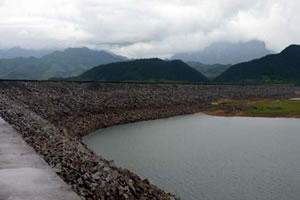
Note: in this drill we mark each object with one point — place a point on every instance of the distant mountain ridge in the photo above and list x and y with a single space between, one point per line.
143 70
70 62
282 67
226 53
17 52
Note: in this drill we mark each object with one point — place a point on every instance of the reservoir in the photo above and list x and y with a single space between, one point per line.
201 157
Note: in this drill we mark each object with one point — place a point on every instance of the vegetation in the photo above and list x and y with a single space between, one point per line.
143 70
274 107
278 68
265 107
210 71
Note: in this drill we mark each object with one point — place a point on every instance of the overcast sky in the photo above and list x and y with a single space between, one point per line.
147 28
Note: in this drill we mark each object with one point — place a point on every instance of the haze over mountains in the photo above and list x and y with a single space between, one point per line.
277 68
226 53
70 62
17 52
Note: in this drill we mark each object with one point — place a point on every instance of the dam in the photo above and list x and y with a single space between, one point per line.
53 117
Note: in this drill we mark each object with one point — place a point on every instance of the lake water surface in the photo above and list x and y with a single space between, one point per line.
200 157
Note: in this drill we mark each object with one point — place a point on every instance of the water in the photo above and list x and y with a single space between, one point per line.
209 158
295 99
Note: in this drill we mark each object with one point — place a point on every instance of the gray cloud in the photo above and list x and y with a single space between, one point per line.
140 28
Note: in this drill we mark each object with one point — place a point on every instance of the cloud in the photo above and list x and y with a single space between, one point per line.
140 28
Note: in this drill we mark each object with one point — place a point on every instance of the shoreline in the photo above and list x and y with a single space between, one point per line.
266 108
222 114
52 117
207 113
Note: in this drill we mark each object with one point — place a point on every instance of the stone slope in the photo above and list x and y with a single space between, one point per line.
53 116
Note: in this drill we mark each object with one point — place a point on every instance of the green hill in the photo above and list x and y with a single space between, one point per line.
143 70
277 68
210 71
70 62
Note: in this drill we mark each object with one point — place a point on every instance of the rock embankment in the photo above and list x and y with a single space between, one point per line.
53 116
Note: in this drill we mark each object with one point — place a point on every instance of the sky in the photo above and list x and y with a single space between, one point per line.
147 28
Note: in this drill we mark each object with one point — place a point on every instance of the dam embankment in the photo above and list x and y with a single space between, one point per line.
53 116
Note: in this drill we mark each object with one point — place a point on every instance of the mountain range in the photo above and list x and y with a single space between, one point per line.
226 53
17 52
283 67
143 70
70 62
80 63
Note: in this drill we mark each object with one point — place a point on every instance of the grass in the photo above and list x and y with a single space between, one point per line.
281 107
267 107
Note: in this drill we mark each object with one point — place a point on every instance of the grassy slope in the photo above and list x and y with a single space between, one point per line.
274 107
265 107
